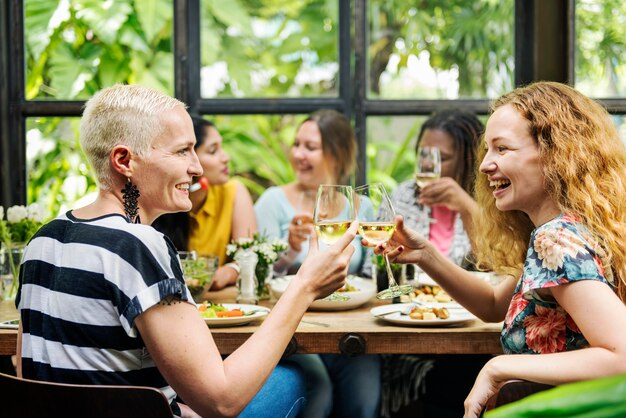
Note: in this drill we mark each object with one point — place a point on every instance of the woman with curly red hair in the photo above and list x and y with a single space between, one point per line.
552 197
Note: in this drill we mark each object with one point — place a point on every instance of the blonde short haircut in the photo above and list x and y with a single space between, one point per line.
584 164
121 115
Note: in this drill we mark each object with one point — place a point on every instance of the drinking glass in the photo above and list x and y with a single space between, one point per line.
334 212
427 166
376 225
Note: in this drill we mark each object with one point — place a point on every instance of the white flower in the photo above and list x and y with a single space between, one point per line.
1 212
231 249
16 214
243 241
35 213
552 246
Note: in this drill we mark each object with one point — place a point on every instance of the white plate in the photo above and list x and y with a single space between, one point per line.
456 317
238 320
367 290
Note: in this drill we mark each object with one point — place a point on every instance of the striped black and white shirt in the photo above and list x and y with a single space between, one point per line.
82 284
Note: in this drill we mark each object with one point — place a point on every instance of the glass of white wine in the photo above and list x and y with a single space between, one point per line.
427 166
376 225
334 212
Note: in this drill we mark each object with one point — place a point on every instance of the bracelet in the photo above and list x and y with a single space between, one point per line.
233 266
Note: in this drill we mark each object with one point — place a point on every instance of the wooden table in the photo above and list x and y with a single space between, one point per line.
350 332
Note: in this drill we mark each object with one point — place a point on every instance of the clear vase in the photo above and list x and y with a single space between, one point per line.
10 260
263 273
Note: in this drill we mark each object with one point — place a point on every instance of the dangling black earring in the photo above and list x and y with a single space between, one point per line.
130 194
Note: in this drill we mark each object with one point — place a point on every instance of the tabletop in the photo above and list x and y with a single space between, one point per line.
353 332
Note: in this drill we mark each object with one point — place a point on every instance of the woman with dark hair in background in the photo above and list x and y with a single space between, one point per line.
441 211
220 212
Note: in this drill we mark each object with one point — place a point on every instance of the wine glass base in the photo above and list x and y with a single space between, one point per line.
395 291
336 297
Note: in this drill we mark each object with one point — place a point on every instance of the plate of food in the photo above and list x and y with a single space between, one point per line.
358 289
433 296
415 315
228 314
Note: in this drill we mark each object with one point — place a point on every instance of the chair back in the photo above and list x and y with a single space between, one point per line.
26 398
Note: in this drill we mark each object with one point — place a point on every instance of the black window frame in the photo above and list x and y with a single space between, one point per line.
544 50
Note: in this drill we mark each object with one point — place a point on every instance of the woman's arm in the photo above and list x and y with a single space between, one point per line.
244 219
243 225
184 351
601 317
486 302
448 192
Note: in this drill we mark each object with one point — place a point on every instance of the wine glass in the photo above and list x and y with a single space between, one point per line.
376 225
334 212
427 166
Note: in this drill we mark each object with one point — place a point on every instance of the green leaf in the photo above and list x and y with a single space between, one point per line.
105 18
153 16
230 13
67 74
39 23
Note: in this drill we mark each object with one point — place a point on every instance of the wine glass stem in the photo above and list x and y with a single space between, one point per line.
392 280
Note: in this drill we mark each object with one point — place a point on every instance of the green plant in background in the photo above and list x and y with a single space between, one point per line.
391 161
259 156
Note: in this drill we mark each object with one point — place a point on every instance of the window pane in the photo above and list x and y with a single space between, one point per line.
58 172
601 47
443 49
75 48
269 48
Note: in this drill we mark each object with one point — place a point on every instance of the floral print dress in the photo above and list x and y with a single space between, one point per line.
561 251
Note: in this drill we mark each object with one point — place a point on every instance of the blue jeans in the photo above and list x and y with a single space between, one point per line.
341 386
282 395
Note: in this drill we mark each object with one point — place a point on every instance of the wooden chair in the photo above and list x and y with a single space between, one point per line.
26 398
514 391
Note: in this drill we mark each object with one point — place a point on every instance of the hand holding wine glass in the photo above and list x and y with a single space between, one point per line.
376 225
334 212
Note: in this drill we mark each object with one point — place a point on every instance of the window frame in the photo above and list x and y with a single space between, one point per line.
544 42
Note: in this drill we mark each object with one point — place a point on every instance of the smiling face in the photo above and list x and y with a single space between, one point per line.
512 165
164 176
307 158
213 158
442 140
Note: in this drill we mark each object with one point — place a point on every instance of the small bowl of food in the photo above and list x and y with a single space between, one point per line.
198 272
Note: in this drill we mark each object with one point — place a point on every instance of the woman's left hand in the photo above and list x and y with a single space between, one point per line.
447 192
484 388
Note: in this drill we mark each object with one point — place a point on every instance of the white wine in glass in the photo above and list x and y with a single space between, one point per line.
334 212
376 225
329 232
427 166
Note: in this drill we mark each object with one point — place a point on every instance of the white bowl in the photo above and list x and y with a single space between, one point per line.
367 290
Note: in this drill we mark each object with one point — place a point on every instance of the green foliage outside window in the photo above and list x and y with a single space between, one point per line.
76 47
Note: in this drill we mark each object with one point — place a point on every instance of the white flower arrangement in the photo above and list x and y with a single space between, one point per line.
267 251
21 223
